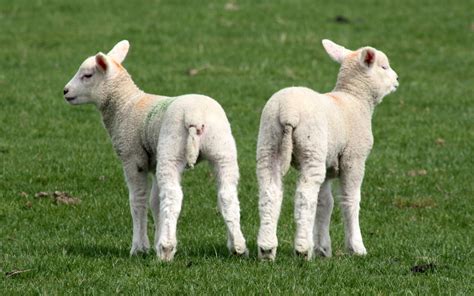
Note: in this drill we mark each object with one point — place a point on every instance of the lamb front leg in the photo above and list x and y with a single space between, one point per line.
352 175
155 206
137 185
322 239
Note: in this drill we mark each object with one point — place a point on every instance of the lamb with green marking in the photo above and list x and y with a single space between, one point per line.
160 135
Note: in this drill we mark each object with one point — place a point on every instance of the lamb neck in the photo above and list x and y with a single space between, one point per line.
118 93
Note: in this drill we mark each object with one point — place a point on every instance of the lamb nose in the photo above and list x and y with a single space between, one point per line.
65 91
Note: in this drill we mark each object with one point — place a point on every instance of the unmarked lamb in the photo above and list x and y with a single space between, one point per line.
323 136
160 135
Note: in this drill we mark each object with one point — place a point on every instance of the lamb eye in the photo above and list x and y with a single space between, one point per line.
384 67
87 75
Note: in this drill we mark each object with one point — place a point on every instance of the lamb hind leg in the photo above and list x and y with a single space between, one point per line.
171 197
269 205
227 177
306 198
137 184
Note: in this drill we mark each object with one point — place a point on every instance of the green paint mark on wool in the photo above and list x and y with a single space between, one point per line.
158 110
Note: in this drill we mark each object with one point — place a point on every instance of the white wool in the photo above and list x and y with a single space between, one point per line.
162 143
327 135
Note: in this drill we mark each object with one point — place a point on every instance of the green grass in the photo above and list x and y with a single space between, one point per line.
248 54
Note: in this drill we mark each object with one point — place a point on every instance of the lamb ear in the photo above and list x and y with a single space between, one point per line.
367 57
120 50
102 62
335 51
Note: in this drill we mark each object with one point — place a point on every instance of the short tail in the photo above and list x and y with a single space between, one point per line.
286 149
192 146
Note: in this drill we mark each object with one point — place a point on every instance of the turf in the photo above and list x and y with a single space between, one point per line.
417 202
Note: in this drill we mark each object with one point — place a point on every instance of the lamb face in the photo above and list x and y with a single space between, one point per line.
81 88
89 82
376 70
366 68
383 75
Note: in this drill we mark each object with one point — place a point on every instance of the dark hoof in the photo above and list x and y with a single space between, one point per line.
245 253
306 255
267 254
166 253
323 252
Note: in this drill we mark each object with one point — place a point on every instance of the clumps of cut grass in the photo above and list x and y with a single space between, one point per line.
414 203
415 173
59 197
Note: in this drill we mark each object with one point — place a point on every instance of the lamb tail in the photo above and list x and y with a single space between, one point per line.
286 149
192 146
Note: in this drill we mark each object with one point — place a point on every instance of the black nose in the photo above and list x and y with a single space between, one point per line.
65 91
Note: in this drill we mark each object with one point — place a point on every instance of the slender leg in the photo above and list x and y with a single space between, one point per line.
352 175
155 206
137 186
322 239
269 205
171 197
227 172
306 197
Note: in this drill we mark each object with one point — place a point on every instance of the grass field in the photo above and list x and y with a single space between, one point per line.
417 205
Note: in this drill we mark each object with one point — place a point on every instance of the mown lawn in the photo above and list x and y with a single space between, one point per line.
417 207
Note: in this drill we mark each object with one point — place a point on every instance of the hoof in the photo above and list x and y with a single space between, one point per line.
165 254
240 253
358 250
139 248
306 255
323 252
267 254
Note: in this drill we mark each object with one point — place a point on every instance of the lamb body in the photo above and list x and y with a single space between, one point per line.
160 135
323 136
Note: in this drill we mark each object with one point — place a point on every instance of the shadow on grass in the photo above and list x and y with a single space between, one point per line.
191 252
203 250
96 251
